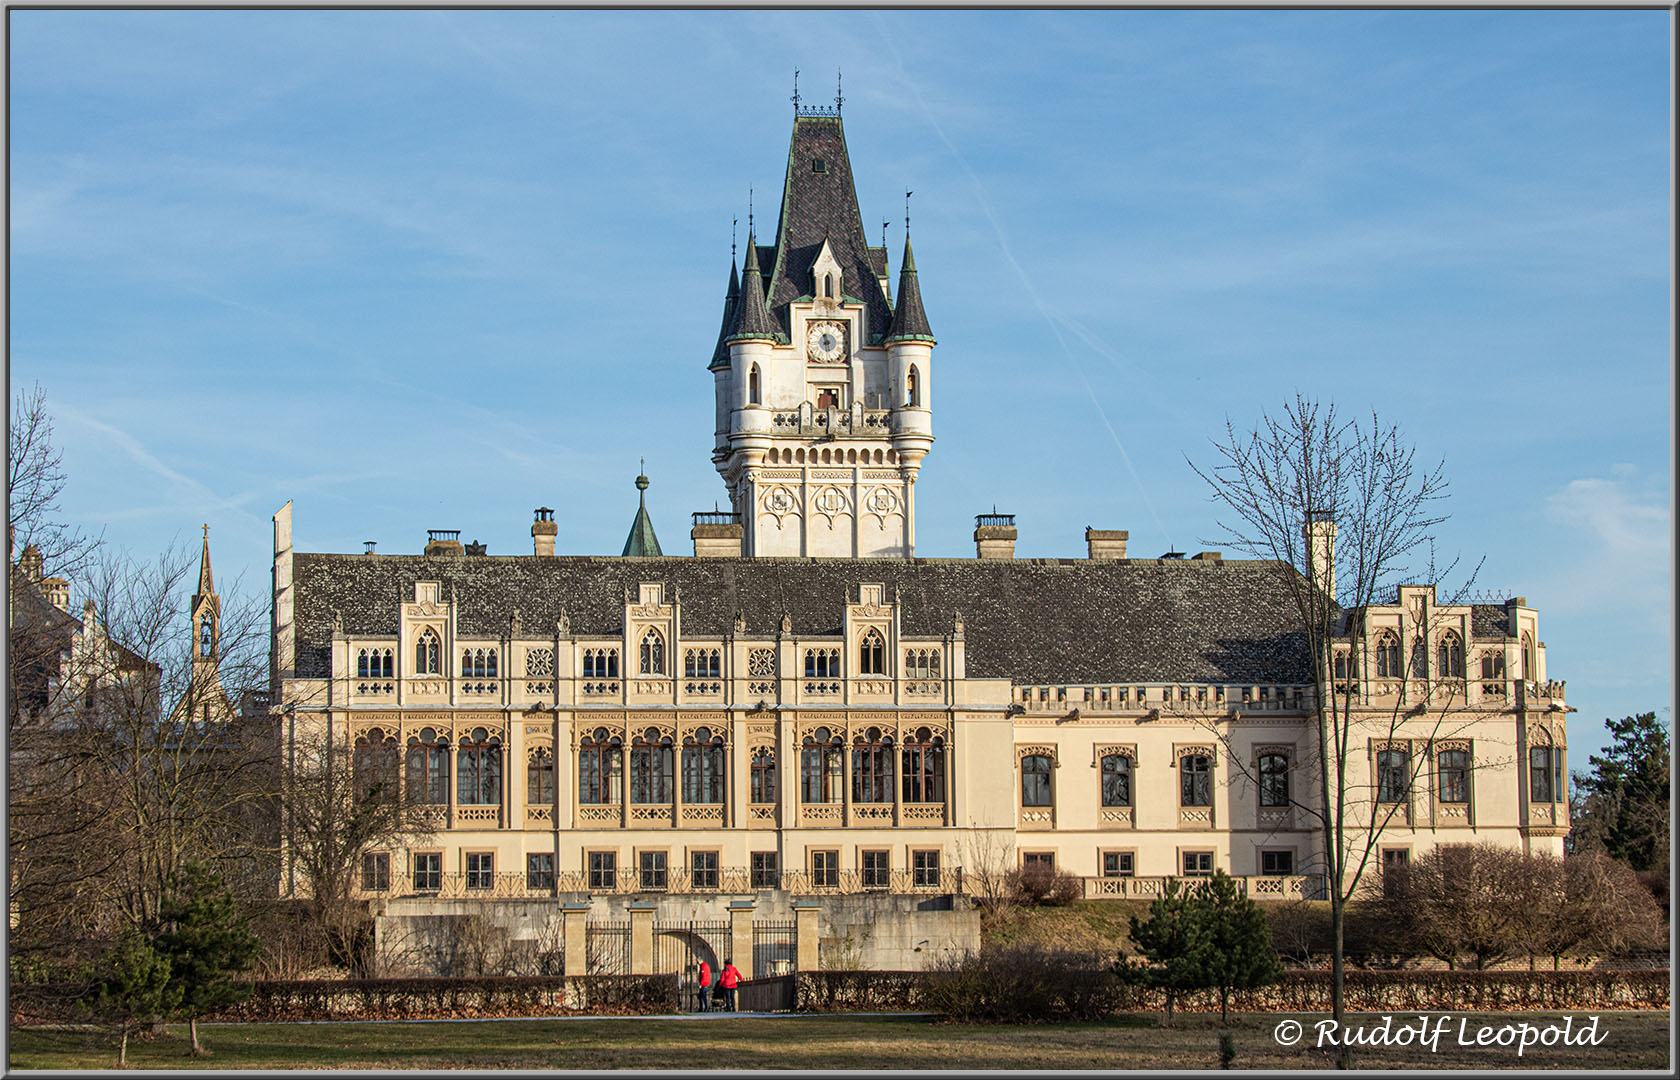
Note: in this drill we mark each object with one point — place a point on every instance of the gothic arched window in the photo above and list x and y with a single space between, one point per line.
1449 656
539 777
1531 670
653 653
752 386
1388 657
374 766
924 767
206 636
872 767
650 768
1420 659
428 768
820 765
703 767
600 768
871 654
763 771
478 769
913 389
426 653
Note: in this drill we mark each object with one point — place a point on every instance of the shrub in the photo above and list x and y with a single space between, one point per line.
1040 883
1022 984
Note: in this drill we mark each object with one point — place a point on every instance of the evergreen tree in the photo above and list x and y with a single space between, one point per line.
206 942
1173 940
1623 805
1239 952
131 987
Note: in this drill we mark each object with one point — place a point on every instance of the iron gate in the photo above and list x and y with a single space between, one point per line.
678 947
607 948
775 944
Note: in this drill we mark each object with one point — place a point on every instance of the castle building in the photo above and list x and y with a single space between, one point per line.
804 707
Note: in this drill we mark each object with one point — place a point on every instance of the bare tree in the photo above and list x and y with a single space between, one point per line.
35 479
1347 514
341 803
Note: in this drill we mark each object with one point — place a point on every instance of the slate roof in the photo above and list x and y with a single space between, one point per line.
910 322
1489 621
720 352
818 206
1029 620
751 319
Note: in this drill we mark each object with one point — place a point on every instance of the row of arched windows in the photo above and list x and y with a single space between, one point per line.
823 761
478 663
652 758
830 457
1449 659
374 664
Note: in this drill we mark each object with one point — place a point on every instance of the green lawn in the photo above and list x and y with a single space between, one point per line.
1633 1041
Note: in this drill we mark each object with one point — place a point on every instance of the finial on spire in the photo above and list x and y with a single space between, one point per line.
907 195
796 90
749 212
884 225
837 97
734 223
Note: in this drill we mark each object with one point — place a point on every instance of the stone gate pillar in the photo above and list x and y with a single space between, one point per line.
641 937
575 937
805 934
741 936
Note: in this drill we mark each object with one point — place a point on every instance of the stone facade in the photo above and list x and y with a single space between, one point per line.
740 726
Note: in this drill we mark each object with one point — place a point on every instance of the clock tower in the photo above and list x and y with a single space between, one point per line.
823 383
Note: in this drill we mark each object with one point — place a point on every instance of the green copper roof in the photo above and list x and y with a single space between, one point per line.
641 540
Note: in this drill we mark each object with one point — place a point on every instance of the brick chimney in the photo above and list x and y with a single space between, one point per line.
444 542
1105 543
543 531
994 535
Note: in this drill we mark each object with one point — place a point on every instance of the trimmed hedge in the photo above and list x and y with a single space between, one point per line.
405 999
1299 991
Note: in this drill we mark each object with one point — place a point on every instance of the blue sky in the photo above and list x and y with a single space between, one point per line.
432 269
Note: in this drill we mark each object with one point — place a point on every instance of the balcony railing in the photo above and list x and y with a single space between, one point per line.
1259 887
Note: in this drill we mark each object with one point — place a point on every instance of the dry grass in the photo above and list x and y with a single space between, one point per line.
1633 1041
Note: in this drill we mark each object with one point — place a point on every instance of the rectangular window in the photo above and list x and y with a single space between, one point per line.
766 870
825 869
1198 863
654 869
1545 774
539 870
481 869
1394 862
703 869
1274 780
376 871
1116 780
428 871
1035 780
1038 858
1452 776
1117 864
1195 780
925 866
876 870
603 869
1277 862
1394 779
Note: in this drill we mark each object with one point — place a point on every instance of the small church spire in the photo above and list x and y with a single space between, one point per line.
642 541
206 609
206 583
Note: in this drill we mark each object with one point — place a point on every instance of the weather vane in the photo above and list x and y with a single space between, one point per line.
795 89
837 84
907 195
733 224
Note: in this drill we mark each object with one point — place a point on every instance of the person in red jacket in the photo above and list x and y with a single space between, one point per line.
705 986
729 980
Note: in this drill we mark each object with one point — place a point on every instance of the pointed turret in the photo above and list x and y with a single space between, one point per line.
641 540
752 318
206 609
720 354
909 320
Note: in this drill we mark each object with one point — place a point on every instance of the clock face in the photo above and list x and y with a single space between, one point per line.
826 343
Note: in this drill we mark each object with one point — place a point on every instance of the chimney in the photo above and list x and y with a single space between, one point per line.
1105 543
1320 534
444 542
1208 556
717 534
994 535
32 564
542 531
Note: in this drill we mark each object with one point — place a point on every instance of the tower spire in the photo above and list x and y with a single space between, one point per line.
641 541
752 318
206 609
910 322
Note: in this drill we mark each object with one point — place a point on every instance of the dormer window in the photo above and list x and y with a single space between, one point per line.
819 165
